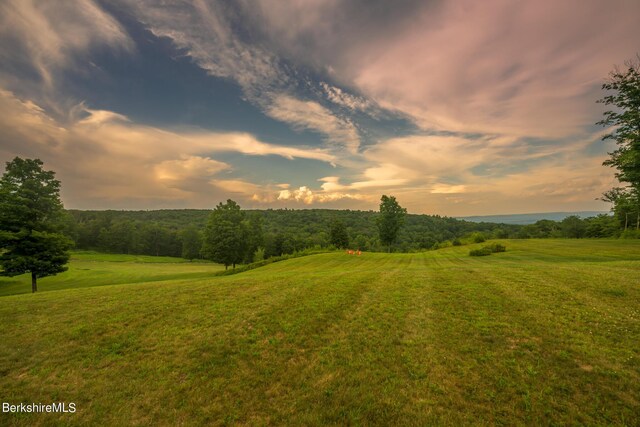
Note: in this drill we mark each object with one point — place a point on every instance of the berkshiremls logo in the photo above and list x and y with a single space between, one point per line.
40 407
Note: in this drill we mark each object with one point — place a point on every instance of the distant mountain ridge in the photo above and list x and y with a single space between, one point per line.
529 218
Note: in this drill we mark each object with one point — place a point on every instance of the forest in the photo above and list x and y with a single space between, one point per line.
284 231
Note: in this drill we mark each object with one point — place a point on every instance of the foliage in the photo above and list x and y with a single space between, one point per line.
31 216
191 240
478 238
626 206
258 255
338 235
497 247
225 235
573 227
488 249
623 87
391 219
481 251
254 237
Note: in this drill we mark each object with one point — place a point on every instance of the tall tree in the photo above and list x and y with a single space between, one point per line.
31 218
338 235
225 235
390 220
624 120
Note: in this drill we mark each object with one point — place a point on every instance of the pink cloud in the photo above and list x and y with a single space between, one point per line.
520 68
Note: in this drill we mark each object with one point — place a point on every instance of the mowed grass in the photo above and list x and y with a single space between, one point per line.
547 333
88 269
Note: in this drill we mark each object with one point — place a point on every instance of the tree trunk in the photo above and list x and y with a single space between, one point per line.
626 220
234 265
34 285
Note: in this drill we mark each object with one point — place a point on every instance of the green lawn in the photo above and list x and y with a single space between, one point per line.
88 269
546 333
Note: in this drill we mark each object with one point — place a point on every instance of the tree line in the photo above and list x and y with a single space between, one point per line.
36 232
284 231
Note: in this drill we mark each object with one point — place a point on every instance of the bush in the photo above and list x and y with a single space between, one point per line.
497 247
481 252
258 255
477 237
456 242
488 250
630 234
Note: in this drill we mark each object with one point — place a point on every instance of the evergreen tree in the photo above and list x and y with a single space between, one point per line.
31 218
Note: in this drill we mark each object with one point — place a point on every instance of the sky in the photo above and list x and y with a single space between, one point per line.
454 107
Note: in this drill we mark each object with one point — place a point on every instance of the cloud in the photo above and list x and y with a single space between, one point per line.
188 167
309 115
46 37
210 34
344 99
447 189
204 31
307 196
105 160
525 69
494 67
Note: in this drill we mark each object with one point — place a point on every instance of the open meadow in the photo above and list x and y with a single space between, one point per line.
545 333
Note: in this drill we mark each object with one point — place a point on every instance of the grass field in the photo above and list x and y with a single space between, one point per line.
88 269
546 333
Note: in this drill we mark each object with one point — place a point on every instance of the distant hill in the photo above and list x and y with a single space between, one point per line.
529 218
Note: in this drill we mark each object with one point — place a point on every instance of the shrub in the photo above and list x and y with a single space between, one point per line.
630 234
497 247
456 242
488 250
480 252
258 255
477 237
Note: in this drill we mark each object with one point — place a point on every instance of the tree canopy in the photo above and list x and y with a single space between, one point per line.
390 221
623 87
31 218
338 235
225 235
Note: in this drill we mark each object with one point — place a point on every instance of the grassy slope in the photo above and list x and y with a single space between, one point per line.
88 269
546 333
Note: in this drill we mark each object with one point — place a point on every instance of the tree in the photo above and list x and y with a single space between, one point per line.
191 242
31 217
624 120
338 235
390 220
225 235
254 236
573 226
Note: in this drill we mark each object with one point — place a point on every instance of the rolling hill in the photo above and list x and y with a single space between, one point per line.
545 333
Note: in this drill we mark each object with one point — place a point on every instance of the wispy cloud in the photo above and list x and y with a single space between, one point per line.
204 31
310 115
344 99
45 37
